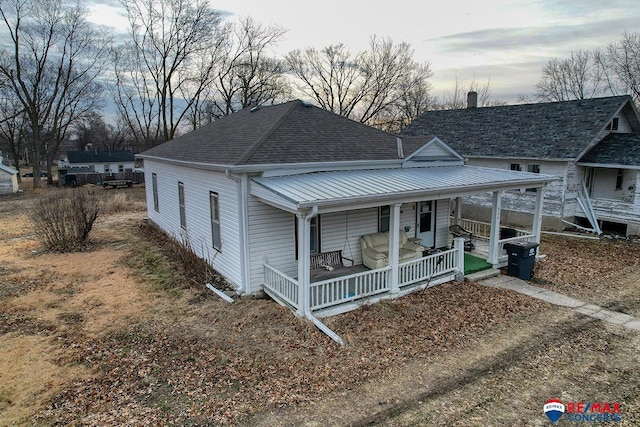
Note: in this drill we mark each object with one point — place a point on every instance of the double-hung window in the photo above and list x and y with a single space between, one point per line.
214 206
183 212
154 185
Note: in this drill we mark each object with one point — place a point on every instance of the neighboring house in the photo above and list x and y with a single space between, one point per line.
592 146
102 162
268 193
8 180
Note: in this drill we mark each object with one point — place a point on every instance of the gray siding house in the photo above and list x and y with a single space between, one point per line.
279 199
592 146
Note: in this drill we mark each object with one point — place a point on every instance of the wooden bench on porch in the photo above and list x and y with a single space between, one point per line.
328 264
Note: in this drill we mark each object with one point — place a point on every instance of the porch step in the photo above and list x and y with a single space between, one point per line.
481 275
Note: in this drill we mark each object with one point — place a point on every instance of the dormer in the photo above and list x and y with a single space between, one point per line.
619 124
433 153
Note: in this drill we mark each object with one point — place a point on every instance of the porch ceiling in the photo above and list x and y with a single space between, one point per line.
337 190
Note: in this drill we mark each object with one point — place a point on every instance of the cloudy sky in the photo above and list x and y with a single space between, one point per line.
506 41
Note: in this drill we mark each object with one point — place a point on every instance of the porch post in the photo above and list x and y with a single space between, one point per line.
537 215
458 210
494 235
304 256
458 244
394 247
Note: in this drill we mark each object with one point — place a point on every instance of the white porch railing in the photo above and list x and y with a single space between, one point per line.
529 238
342 289
429 267
439 267
482 230
281 285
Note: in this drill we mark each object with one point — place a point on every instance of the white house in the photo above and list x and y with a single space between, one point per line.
8 180
592 146
102 162
270 195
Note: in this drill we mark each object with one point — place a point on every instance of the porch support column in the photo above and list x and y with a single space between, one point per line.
536 229
458 210
304 259
394 247
494 235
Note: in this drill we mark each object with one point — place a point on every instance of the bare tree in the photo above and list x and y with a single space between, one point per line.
456 97
374 86
620 62
53 68
168 63
578 77
247 75
13 127
100 134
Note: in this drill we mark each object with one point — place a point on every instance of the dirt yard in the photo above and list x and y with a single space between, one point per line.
117 335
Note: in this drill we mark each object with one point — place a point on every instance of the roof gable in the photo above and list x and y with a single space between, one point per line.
290 133
432 151
552 130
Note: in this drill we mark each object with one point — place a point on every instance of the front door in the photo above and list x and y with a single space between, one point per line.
426 223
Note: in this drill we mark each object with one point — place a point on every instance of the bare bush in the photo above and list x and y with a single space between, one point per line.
64 219
114 202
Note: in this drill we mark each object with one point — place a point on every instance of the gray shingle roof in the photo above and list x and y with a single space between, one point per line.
100 156
293 132
552 130
615 149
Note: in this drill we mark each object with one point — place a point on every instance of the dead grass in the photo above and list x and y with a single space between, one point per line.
120 335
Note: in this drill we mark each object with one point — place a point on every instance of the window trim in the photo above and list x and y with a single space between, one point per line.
619 179
318 233
154 187
182 206
214 200
381 216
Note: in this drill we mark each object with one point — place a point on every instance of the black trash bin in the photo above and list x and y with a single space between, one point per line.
522 259
507 233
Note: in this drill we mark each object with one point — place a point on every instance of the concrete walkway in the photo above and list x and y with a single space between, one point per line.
591 310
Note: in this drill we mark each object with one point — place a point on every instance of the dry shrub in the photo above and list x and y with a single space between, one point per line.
63 219
113 202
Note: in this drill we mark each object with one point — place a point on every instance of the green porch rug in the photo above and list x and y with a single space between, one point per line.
473 264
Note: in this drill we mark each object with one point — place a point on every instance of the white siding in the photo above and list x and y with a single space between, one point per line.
442 223
556 194
271 236
197 185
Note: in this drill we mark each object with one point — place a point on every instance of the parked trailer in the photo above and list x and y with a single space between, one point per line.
117 183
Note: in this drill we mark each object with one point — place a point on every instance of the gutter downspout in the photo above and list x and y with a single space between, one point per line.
304 279
243 214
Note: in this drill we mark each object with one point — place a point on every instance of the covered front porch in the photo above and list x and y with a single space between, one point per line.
340 192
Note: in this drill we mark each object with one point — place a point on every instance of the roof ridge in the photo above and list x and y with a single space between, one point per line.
260 142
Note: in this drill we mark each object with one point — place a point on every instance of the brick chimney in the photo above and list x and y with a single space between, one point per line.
472 99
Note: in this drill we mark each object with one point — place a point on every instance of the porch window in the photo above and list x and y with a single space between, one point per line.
120 168
515 167
384 218
154 185
215 221
183 213
619 179
314 234
533 168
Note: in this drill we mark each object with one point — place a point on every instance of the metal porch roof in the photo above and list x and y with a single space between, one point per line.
386 185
